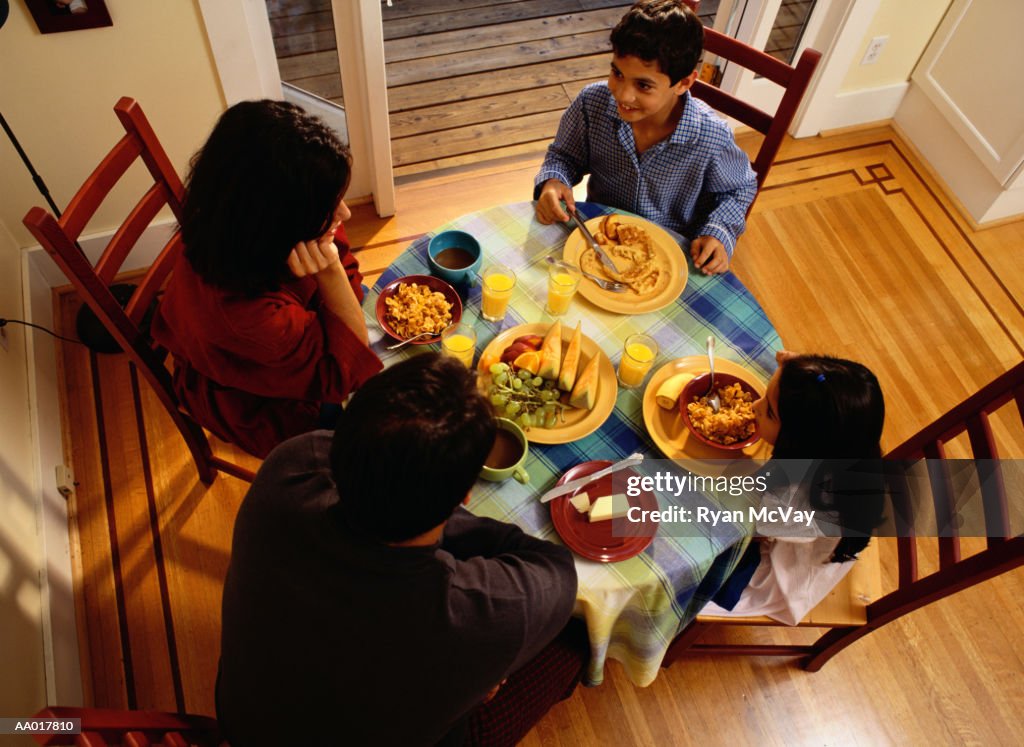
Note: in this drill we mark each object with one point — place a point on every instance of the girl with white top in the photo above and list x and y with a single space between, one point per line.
815 408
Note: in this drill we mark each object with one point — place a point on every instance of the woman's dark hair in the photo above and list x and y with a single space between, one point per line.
663 30
269 176
832 410
409 446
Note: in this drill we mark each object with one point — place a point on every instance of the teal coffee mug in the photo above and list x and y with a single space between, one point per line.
507 457
454 256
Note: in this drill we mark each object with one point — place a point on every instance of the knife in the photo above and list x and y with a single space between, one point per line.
573 484
607 261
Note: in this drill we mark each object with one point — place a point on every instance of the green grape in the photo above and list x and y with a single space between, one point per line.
498 399
537 381
524 374
517 384
550 420
549 408
497 368
501 379
512 408
526 420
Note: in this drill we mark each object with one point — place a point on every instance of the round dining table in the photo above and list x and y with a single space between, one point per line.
635 607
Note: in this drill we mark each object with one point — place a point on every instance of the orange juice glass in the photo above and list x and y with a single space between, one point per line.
498 283
459 341
563 280
638 356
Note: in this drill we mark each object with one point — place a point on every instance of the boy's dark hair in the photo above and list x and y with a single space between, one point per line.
663 30
409 446
269 176
833 410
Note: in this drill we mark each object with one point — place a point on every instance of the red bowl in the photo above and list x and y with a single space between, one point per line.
697 387
435 284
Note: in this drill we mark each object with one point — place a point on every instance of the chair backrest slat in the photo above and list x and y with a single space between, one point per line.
154 279
127 235
795 81
96 188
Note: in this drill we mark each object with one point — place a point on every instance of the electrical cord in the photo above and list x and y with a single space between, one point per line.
5 322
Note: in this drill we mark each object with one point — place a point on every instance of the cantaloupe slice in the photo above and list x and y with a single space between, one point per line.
571 362
551 353
584 391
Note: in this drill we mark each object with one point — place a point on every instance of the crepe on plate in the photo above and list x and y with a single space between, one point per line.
641 265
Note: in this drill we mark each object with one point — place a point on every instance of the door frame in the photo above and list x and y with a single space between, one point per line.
243 53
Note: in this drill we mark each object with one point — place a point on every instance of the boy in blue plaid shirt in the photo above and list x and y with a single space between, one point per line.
648 145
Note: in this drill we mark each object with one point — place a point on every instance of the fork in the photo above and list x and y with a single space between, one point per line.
410 339
609 285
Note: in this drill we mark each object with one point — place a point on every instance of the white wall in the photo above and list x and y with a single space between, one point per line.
58 93
22 686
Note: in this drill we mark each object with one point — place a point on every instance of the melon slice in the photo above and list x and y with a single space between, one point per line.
584 391
571 362
551 353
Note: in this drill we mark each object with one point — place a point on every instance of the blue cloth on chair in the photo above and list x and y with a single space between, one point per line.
729 593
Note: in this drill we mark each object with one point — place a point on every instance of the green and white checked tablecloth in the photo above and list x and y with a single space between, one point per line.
634 608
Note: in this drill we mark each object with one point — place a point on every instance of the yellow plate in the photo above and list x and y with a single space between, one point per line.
666 427
629 302
578 423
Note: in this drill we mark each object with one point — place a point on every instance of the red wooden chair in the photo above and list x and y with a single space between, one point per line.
773 126
106 727
94 283
861 611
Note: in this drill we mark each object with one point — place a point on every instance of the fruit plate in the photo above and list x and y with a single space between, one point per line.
578 423
668 252
598 540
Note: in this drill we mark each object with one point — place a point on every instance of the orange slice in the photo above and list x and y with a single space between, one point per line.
529 360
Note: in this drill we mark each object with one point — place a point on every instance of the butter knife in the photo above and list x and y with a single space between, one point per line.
607 261
579 483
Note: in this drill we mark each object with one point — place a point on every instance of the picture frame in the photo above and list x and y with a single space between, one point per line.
53 16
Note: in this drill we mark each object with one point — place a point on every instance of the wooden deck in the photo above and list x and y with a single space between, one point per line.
851 248
468 80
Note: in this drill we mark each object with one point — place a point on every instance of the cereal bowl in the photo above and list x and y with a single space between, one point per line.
697 387
391 290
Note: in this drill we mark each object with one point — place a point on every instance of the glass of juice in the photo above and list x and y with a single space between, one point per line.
638 356
563 280
459 341
499 281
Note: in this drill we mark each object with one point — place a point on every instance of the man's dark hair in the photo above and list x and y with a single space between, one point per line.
269 176
409 446
666 31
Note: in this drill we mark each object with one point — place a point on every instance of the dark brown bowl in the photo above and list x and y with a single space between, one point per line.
435 284
696 387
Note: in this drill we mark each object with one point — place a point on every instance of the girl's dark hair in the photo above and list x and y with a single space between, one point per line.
833 410
663 30
409 447
269 176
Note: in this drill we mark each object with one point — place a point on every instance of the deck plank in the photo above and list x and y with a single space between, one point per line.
477 85
482 15
473 138
477 111
499 58
486 37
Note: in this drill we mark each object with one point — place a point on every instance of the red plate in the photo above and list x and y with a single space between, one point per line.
596 541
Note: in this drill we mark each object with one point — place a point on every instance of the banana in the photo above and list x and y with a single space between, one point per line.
670 389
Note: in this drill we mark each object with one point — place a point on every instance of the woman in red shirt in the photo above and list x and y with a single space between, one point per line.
262 312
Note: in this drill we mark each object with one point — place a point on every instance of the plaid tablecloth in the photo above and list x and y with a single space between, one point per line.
634 608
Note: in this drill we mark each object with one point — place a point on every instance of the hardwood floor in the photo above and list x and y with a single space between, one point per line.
851 248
